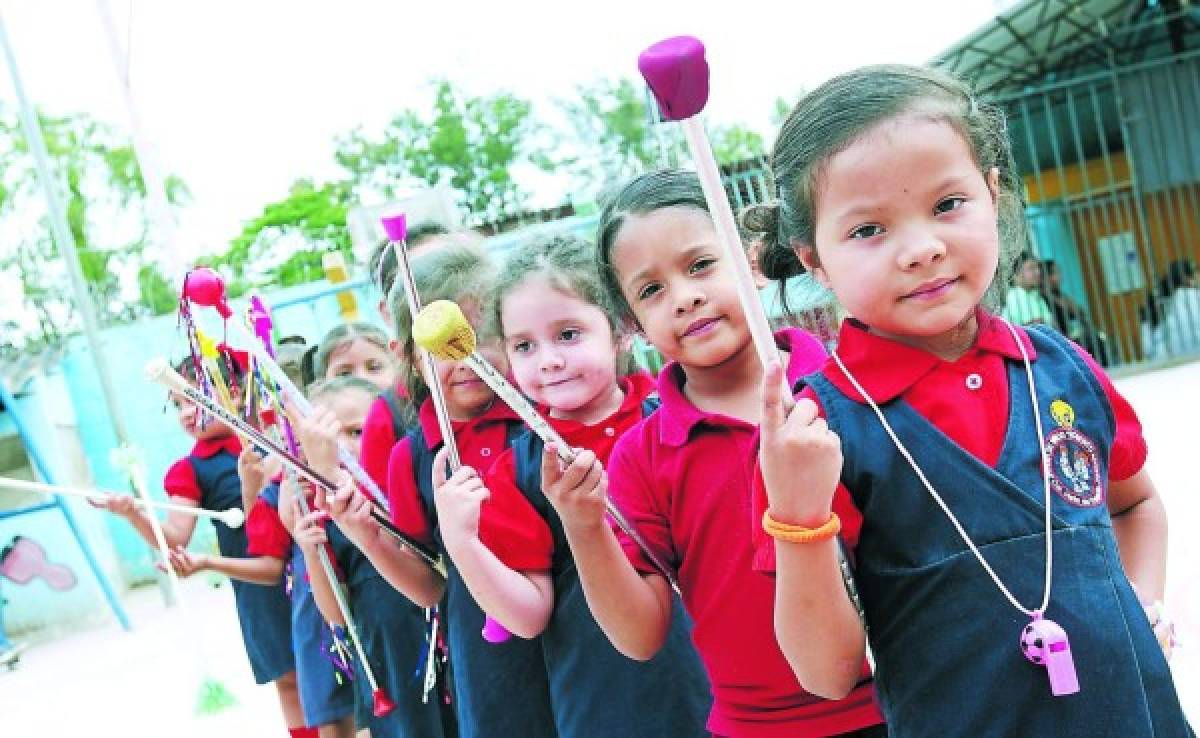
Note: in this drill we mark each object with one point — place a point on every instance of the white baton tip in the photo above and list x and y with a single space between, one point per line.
233 517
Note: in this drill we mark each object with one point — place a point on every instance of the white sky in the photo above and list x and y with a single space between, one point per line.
242 97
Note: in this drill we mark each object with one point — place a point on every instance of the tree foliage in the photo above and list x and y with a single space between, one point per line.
613 133
104 195
472 144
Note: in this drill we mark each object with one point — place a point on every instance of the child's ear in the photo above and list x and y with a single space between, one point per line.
993 183
807 255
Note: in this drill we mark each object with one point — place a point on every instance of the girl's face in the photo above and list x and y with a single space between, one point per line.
561 349
466 394
365 360
351 407
906 233
674 275
1029 275
192 418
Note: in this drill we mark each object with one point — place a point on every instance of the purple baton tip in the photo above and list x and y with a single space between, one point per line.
677 73
396 227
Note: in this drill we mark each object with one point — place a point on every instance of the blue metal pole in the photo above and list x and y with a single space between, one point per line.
43 469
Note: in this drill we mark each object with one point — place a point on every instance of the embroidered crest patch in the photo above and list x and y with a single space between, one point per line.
1073 466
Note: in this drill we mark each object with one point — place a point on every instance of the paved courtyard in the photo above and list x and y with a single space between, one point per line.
101 681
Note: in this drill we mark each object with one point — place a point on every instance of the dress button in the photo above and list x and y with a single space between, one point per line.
610 432
974 381
485 452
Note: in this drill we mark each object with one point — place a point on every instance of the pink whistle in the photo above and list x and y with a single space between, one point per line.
395 226
494 632
1045 642
677 73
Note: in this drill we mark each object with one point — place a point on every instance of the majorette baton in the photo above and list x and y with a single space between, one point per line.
396 227
158 370
442 330
232 517
211 293
677 73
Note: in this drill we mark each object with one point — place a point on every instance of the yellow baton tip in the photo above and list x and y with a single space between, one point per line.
441 329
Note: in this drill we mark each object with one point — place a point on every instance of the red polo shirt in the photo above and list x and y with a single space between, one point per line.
509 525
684 479
180 480
378 438
265 534
954 396
480 442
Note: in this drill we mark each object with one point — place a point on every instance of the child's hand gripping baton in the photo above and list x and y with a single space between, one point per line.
443 330
232 517
396 228
159 371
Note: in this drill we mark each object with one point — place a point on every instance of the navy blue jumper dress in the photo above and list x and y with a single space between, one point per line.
945 638
500 688
596 691
264 612
324 697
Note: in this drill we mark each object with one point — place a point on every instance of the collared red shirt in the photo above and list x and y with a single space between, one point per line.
953 395
180 480
509 524
265 534
378 438
683 477
480 442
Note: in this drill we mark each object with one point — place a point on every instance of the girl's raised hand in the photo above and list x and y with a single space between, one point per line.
309 532
350 509
123 505
577 490
800 458
318 437
458 499
252 469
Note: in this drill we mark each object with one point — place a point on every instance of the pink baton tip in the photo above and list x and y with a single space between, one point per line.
205 287
677 73
396 227
494 632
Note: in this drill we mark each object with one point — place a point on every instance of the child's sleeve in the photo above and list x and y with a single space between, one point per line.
378 438
509 525
764 544
265 534
633 491
1128 453
180 481
404 499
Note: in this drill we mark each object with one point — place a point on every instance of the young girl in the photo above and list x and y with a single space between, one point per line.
208 477
500 689
392 414
683 475
563 345
998 502
393 631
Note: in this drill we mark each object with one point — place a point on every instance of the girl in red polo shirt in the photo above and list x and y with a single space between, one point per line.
683 476
564 345
984 474
500 689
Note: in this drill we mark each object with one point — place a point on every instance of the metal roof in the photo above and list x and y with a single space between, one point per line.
1039 41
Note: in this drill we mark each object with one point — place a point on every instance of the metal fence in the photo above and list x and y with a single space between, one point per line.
1111 164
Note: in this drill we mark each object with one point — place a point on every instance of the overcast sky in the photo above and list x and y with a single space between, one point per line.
242 97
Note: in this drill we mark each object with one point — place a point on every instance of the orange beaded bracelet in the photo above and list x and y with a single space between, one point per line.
798 534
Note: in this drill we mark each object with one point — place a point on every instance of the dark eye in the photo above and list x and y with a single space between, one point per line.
374 366
521 347
648 291
343 371
355 432
866 231
950 203
569 334
699 265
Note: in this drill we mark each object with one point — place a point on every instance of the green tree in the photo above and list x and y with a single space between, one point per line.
735 143
104 195
473 144
613 132
285 244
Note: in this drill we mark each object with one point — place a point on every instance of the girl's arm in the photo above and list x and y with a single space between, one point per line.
403 569
310 536
265 570
177 527
632 609
521 601
816 624
1140 525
